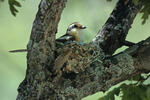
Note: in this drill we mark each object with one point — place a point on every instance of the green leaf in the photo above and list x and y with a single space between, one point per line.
16 3
135 2
1 0
129 92
145 11
12 5
135 92
111 95
148 93
108 0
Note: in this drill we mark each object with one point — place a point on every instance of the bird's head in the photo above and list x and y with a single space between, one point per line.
75 29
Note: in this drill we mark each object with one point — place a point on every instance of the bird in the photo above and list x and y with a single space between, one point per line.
73 33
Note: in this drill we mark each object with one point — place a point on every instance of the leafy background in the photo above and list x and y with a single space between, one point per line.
15 33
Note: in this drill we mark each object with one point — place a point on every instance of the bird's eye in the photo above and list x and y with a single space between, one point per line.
75 26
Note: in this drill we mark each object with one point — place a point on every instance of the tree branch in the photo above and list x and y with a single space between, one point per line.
141 55
112 35
84 69
41 47
45 27
101 75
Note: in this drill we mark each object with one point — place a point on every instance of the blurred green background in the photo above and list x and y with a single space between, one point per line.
15 33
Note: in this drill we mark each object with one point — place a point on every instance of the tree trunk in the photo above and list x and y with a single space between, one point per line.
73 71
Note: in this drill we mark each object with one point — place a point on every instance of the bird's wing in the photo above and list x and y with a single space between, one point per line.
65 38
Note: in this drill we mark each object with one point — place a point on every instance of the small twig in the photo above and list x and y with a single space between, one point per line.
19 50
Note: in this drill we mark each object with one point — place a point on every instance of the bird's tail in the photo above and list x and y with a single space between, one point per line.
19 50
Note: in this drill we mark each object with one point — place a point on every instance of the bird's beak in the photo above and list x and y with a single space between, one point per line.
83 27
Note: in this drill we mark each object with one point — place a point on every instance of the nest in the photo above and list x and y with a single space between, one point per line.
75 57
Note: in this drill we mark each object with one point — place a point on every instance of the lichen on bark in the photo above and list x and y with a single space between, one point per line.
73 71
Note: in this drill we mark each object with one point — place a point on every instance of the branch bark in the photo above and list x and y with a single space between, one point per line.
113 34
84 71
41 48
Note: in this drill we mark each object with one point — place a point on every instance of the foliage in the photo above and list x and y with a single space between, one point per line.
12 5
129 92
145 10
136 91
109 0
111 95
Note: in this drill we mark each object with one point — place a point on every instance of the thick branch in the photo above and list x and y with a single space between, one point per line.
83 71
115 30
44 29
41 48
102 75
141 54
